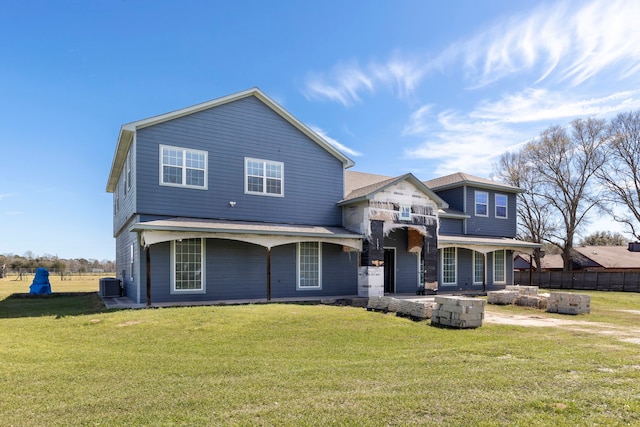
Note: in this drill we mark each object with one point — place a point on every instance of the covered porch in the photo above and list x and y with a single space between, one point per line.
476 264
228 265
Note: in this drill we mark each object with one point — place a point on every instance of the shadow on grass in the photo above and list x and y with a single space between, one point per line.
56 304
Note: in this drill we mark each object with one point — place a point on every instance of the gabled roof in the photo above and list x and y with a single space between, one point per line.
367 192
460 179
128 130
354 180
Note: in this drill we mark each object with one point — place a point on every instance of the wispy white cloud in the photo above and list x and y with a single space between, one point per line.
460 143
473 140
571 41
567 59
5 195
343 84
537 105
343 148
346 83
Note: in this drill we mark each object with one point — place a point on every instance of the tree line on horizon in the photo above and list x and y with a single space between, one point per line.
571 172
29 261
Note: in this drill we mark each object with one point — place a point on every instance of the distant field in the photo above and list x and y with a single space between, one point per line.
76 283
68 361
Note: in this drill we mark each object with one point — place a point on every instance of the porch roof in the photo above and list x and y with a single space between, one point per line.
485 244
259 233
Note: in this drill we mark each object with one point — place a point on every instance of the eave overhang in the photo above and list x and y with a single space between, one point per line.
263 234
486 244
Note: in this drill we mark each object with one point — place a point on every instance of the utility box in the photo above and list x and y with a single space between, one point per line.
110 287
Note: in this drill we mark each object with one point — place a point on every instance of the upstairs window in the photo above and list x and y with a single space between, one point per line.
181 167
263 177
127 173
501 206
405 213
482 203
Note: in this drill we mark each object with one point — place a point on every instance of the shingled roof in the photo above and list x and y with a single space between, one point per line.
459 178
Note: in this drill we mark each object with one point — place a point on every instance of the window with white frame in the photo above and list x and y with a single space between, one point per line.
309 261
501 206
478 267
482 203
264 177
405 213
449 266
499 266
183 167
188 265
127 173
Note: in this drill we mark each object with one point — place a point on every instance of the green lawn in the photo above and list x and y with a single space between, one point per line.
67 361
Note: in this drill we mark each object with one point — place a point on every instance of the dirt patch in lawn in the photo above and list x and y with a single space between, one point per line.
623 333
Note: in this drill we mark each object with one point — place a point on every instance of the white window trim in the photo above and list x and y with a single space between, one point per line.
264 184
203 263
504 268
475 203
184 168
455 267
127 173
506 206
402 210
484 261
309 288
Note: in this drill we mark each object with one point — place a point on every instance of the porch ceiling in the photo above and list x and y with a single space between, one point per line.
259 233
486 244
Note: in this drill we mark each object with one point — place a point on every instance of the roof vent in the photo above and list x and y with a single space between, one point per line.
634 246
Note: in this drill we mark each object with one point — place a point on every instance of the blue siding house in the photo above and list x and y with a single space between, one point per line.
236 199
477 236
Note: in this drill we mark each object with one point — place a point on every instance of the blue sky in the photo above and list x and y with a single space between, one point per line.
428 87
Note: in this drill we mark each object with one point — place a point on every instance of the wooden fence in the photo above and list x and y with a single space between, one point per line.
627 281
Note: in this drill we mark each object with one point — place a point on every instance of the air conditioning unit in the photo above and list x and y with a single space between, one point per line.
110 287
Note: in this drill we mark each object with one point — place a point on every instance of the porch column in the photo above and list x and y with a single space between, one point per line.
268 274
430 258
148 259
371 270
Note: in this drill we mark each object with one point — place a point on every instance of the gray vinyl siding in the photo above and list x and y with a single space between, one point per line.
238 270
406 273
454 197
339 272
451 226
127 201
490 225
125 270
313 178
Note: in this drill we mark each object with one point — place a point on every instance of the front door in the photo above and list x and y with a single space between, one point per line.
389 270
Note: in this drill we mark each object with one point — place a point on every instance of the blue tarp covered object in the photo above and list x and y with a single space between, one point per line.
40 285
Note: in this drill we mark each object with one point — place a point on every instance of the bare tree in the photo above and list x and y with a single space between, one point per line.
534 222
621 174
564 163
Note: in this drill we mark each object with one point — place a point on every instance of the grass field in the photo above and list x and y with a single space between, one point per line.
67 361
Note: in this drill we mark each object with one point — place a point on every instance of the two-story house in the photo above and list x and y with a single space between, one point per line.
477 233
237 199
